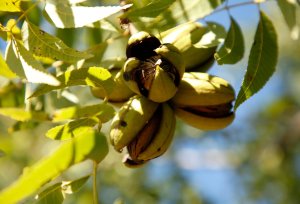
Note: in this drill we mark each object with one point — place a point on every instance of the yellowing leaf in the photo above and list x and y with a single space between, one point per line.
89 145
46 45
12 26
71 129
262 60
10 5
66 16
5 70
93 76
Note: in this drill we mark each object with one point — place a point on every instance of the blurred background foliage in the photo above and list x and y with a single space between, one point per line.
255 160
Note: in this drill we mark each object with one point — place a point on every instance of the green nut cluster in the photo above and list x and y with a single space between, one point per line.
156 88
152 69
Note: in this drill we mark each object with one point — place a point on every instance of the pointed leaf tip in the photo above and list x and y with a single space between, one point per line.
232 50
262 60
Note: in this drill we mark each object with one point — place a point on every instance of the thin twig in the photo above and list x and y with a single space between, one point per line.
25 13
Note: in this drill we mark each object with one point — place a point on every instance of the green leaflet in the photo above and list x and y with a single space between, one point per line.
26 66
262 60
103 112
10 5
93 76
20 114
46 45
71 129
232 50
5 70
67 16
89 145
52 194
70 187
288 10
151 10
13 61
185 10
214 35
55 193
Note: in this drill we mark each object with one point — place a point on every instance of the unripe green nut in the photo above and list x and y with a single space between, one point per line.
129 120
120 92
186 38
204 101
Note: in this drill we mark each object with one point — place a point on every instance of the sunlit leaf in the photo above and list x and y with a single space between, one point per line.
12 26
214 35
10 5
262 60
52 194
103 111
97 51
66 1
71 129
66 16
183 11
56 192
70 187
46 45
26 66
5 70
89 145
232 50
93 76
151 10
20 114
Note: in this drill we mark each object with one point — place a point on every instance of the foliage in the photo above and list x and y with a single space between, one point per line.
47 80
